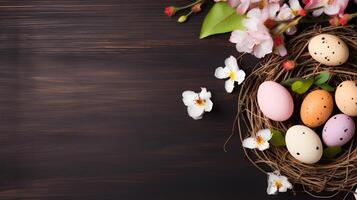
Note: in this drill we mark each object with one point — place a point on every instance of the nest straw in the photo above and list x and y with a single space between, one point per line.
329 175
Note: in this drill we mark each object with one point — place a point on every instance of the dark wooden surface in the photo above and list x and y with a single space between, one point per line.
90 105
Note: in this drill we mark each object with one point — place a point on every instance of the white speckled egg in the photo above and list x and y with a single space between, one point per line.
303 144
328 49
338 130
275 101
346 97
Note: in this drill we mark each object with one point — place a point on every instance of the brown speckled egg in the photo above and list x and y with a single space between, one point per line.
346 97
328 49
316 108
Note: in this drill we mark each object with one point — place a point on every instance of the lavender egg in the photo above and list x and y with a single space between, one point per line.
338 130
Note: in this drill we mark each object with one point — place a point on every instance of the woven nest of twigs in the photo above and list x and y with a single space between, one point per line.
330 176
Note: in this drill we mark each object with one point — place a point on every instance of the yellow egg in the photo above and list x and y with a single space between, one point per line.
316 108
328 49
346 97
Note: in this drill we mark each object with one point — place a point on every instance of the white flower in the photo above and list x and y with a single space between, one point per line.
260 141
287 13
256 39
277 183
197 103
355 194
231 71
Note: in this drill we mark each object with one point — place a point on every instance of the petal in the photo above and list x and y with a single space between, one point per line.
249 143
240 76
233 3
271 190
273 8
263 48
243 7
251 24
286 182
332 9
208 105
294 4
318 12
254 13
246 45
282 50
222 73
229 86
231 63
264 146
285 13
291 30
271 184
189 97
195 112
204 94
265 134
238 36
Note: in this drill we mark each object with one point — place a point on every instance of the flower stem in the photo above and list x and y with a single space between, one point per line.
189 5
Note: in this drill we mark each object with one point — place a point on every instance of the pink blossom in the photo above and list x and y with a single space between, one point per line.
243 6
256 39
329 7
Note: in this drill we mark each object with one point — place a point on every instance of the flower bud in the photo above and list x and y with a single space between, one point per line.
170 11
302 12
278 40
196 8
289 65
182 19
344 19
269 23
334 21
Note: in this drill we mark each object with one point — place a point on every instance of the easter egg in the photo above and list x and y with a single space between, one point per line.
328 49
338 130
275 101
346 97
316 108
303 144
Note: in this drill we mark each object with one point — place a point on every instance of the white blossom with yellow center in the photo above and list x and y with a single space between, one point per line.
277 183
260 141
230 71
197 103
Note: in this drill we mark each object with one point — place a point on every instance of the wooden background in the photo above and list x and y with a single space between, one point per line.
90 105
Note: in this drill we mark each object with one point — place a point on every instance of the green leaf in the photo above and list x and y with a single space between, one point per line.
301 87
327 87
277 138
322 78
290 81
331 152
221 19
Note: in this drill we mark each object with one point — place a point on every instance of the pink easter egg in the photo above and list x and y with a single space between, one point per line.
338 130
275 101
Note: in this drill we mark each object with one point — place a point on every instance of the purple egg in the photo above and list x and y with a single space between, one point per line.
338 130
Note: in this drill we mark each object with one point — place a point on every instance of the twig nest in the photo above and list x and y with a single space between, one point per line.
305 162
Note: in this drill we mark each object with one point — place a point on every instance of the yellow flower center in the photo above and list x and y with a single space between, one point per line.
232 75
259 140
200 102
263 4
278 184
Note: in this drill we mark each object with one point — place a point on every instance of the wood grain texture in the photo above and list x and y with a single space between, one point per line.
90 105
